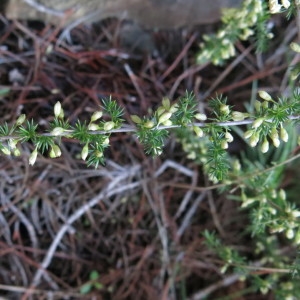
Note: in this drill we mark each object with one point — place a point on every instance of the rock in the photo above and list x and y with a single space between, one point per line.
161 14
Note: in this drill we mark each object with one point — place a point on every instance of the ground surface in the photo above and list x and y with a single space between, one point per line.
151 13
142 233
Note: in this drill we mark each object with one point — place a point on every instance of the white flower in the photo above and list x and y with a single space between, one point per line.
254 139
136 119
33 157
16 152
164 117
96 116
274 133
295 47
224 144
238 116
284 135
93 127
198 131
166 103
282 194
257 123
248 134
274 6
108 125
224 109
12 143
265 146
290 233
257 105
167 123
57 131
21 119
106 141
286 3
55 151
296 213
228 137
264 95
85 151
276 142
200 117
98 154
5 150
149 124
57 109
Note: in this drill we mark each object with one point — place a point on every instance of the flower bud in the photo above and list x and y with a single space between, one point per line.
136 119
274 133
257 105
265 146
57 131
55 151
198 131
295 213
282 194
52 153
236 165
238 116
96 116
12 143
191 155
164 117
248 134
295 47
5 150
224 144
276 142
284 135
265 104
285 3
149 124
61 115
290 233
85 151
21 119
297 237
200 117
98 153
228 137
254 139
16 152
274 6
93 127
160 110
166 103
157 151
57 109
167 123
257 123
173 108
108 125
106 141
264 95
224 109
33 157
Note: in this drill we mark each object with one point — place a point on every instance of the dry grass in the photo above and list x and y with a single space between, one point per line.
128 220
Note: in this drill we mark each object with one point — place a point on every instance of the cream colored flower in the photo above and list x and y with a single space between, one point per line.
33 157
